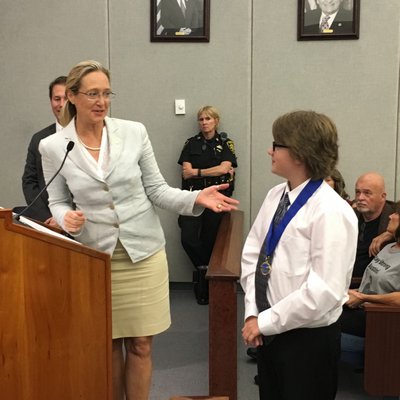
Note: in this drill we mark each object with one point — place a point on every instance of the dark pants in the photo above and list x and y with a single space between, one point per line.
301 364
198 235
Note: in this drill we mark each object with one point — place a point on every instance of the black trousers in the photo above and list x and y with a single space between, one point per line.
301 364
198 235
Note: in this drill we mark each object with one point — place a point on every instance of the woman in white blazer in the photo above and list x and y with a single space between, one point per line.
105 197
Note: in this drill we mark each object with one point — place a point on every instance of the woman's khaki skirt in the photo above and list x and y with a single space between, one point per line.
140 295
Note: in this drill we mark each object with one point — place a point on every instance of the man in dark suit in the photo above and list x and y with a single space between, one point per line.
175 15
329 18
32 179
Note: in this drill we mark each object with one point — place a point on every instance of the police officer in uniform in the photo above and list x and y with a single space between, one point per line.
207 159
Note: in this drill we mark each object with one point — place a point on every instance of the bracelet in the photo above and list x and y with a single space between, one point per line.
199 172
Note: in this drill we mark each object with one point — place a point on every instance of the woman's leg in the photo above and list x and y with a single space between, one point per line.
118 369
138 367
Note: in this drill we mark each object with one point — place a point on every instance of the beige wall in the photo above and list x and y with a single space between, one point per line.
253 70
353 81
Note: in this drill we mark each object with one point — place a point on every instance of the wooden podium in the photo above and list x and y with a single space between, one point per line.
55 317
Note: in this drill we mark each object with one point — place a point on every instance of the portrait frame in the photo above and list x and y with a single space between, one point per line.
346 24
167 27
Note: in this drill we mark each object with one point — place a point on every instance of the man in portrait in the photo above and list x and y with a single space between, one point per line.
180 17
330 17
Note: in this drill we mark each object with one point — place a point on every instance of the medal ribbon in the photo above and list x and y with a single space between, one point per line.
274 233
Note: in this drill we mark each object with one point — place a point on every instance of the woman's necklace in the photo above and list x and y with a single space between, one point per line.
86 146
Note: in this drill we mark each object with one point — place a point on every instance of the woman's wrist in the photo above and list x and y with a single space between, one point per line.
362 297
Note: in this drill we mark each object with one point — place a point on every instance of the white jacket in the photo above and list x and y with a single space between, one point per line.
120 205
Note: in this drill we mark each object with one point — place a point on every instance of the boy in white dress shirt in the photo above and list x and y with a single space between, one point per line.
301 265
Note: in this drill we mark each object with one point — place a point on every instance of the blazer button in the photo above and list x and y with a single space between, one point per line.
116 225
106 189
112 207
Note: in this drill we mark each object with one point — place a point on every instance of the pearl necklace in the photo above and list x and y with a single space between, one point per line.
88 147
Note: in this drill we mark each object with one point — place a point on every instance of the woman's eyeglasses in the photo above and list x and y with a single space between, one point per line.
93 95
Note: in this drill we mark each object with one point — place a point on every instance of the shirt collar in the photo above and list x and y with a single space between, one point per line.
292 194
331 17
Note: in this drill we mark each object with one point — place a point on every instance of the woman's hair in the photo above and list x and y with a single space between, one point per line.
73 85
209 111
311 138
339 184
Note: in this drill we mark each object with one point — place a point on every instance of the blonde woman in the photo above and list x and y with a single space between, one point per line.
106 196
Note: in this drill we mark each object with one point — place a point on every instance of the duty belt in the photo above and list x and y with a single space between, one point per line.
201 183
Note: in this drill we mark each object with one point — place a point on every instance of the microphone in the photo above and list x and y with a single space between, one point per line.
70 146
224 136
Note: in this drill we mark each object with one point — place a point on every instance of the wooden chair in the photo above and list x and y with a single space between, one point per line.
382 350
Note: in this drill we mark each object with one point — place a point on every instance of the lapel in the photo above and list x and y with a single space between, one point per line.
80 160
179 17
115 143
76 155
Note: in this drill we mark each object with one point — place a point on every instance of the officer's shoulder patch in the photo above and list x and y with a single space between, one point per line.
231 145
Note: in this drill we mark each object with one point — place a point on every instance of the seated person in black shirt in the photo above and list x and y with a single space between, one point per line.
373 212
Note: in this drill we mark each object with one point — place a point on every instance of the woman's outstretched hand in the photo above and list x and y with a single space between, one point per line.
211 198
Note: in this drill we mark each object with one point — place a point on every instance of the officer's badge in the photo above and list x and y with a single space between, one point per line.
218 148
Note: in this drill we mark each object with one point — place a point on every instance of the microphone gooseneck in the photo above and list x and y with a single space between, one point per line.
70 146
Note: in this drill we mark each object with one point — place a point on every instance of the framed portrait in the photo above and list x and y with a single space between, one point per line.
180 20
328 19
